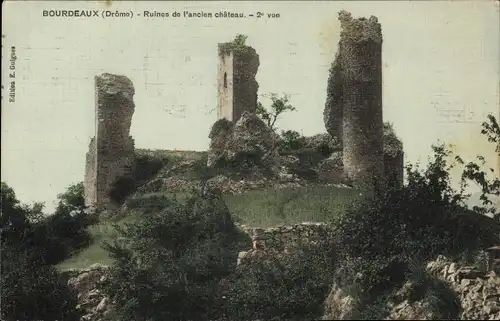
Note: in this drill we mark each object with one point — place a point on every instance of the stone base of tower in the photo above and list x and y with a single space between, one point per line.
101 175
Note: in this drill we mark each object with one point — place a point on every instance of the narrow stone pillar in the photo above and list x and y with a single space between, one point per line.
237 87
360 60
111 151
333 112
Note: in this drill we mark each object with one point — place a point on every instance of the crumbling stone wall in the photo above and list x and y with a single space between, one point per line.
332 114
283 238
237 87
111 151
354 100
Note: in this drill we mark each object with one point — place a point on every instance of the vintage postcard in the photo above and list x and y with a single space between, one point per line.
253 160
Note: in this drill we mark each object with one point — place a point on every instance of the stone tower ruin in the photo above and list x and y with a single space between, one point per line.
111 151
236 84
353 110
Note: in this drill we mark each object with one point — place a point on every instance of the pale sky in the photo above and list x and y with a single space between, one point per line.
441 63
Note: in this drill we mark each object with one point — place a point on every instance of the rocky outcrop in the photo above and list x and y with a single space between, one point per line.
331 169
220 134
478 289
251 137
325 143
339 304
249 143
87 283
447 291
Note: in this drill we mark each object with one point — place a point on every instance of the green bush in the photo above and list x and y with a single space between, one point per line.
168 263
54 237
33 291
424 219
145 168
292 140
221 125
284 287
31 288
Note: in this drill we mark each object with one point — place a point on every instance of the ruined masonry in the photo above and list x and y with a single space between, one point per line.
236 84
111 151
353 110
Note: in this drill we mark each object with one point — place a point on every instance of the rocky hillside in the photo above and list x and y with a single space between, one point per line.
474 290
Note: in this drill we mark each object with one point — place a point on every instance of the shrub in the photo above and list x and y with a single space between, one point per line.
292 140
121 188
169 262
14 219
285 287
145 168
424 219
220 126
59 235
32 291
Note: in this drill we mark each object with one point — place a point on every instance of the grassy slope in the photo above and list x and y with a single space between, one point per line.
259 208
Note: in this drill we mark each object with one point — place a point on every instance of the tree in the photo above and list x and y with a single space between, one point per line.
168 263
473 171
73 199
492 131
65 231
31 289
14 219
279 106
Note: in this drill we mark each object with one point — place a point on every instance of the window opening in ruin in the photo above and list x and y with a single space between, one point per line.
225 80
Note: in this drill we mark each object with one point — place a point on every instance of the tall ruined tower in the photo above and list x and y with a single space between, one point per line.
111 151
360 53
353 110
236 84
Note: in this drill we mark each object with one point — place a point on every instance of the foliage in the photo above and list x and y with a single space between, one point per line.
492 131
473 172
292 140
237 45
168 263
146 167
72 200
285 287
278 106
53 237
424 219
59 235
14 219
32 290
220 126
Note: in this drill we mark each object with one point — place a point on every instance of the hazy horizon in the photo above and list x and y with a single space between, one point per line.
440 65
